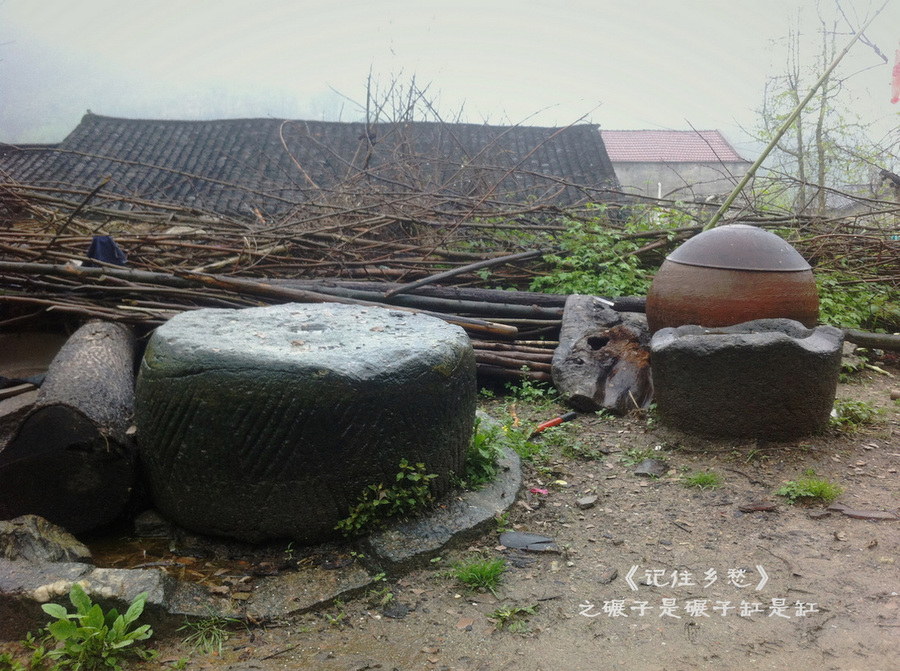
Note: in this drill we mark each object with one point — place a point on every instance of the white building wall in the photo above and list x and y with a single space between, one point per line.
679 181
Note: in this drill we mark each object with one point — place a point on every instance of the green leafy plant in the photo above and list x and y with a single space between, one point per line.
482 574
594 259
502 520
703 480
851 415
846 302
481 457
207 635
810 488
519 440
380 596
531 392
635 455
9 663
339 618
513 618
91 639
410 492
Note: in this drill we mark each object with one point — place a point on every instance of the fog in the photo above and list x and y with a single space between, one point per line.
650 64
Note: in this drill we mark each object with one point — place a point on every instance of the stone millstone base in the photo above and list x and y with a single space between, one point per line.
769 378
270 422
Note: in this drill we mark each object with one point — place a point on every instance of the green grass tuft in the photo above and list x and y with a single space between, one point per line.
703 480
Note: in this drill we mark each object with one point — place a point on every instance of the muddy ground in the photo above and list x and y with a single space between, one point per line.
715 586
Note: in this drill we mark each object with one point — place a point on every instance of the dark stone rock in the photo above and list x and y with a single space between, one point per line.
32 538
270 422
396 610
150 524
652 468
519 540
586 502
602 361
770 378
25 585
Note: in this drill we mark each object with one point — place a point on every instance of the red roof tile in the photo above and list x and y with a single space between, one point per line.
668 146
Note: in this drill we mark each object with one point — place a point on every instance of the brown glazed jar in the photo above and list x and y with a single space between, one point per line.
730 275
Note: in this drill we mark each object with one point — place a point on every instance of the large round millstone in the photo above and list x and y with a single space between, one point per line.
269 422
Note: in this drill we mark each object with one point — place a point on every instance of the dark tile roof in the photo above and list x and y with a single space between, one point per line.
669 146
232 167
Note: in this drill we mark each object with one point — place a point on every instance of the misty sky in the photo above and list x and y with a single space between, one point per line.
619 63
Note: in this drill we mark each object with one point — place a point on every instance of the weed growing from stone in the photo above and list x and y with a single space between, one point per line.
410 493
90 639
207 635
703 480
851 415
481 457
520 441
810 488
338 619
379 597
482 574
514 619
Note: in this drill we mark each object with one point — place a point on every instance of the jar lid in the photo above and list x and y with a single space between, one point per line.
739 247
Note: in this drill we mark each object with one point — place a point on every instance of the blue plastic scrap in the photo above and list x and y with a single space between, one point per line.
104 248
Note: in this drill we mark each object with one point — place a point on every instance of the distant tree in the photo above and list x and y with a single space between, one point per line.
828 146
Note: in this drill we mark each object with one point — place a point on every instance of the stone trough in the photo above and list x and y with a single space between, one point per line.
768 378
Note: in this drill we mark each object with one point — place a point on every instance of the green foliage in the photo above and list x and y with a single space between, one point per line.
578 451
482 456
91 639
533 393
410 492
810 488
9 663
519 440
502 520
594 259
846 302
635 455
852 415
482 574
703 480
207 635
513 618
379 597
340 617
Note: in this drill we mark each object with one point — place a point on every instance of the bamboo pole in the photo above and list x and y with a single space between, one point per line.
787 124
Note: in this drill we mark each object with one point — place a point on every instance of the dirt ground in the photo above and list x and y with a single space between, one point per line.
714 586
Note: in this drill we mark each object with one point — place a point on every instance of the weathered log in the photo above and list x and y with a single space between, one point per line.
876 340
500 373
542 357
527 346
511 363
487 308
72 460
602 362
